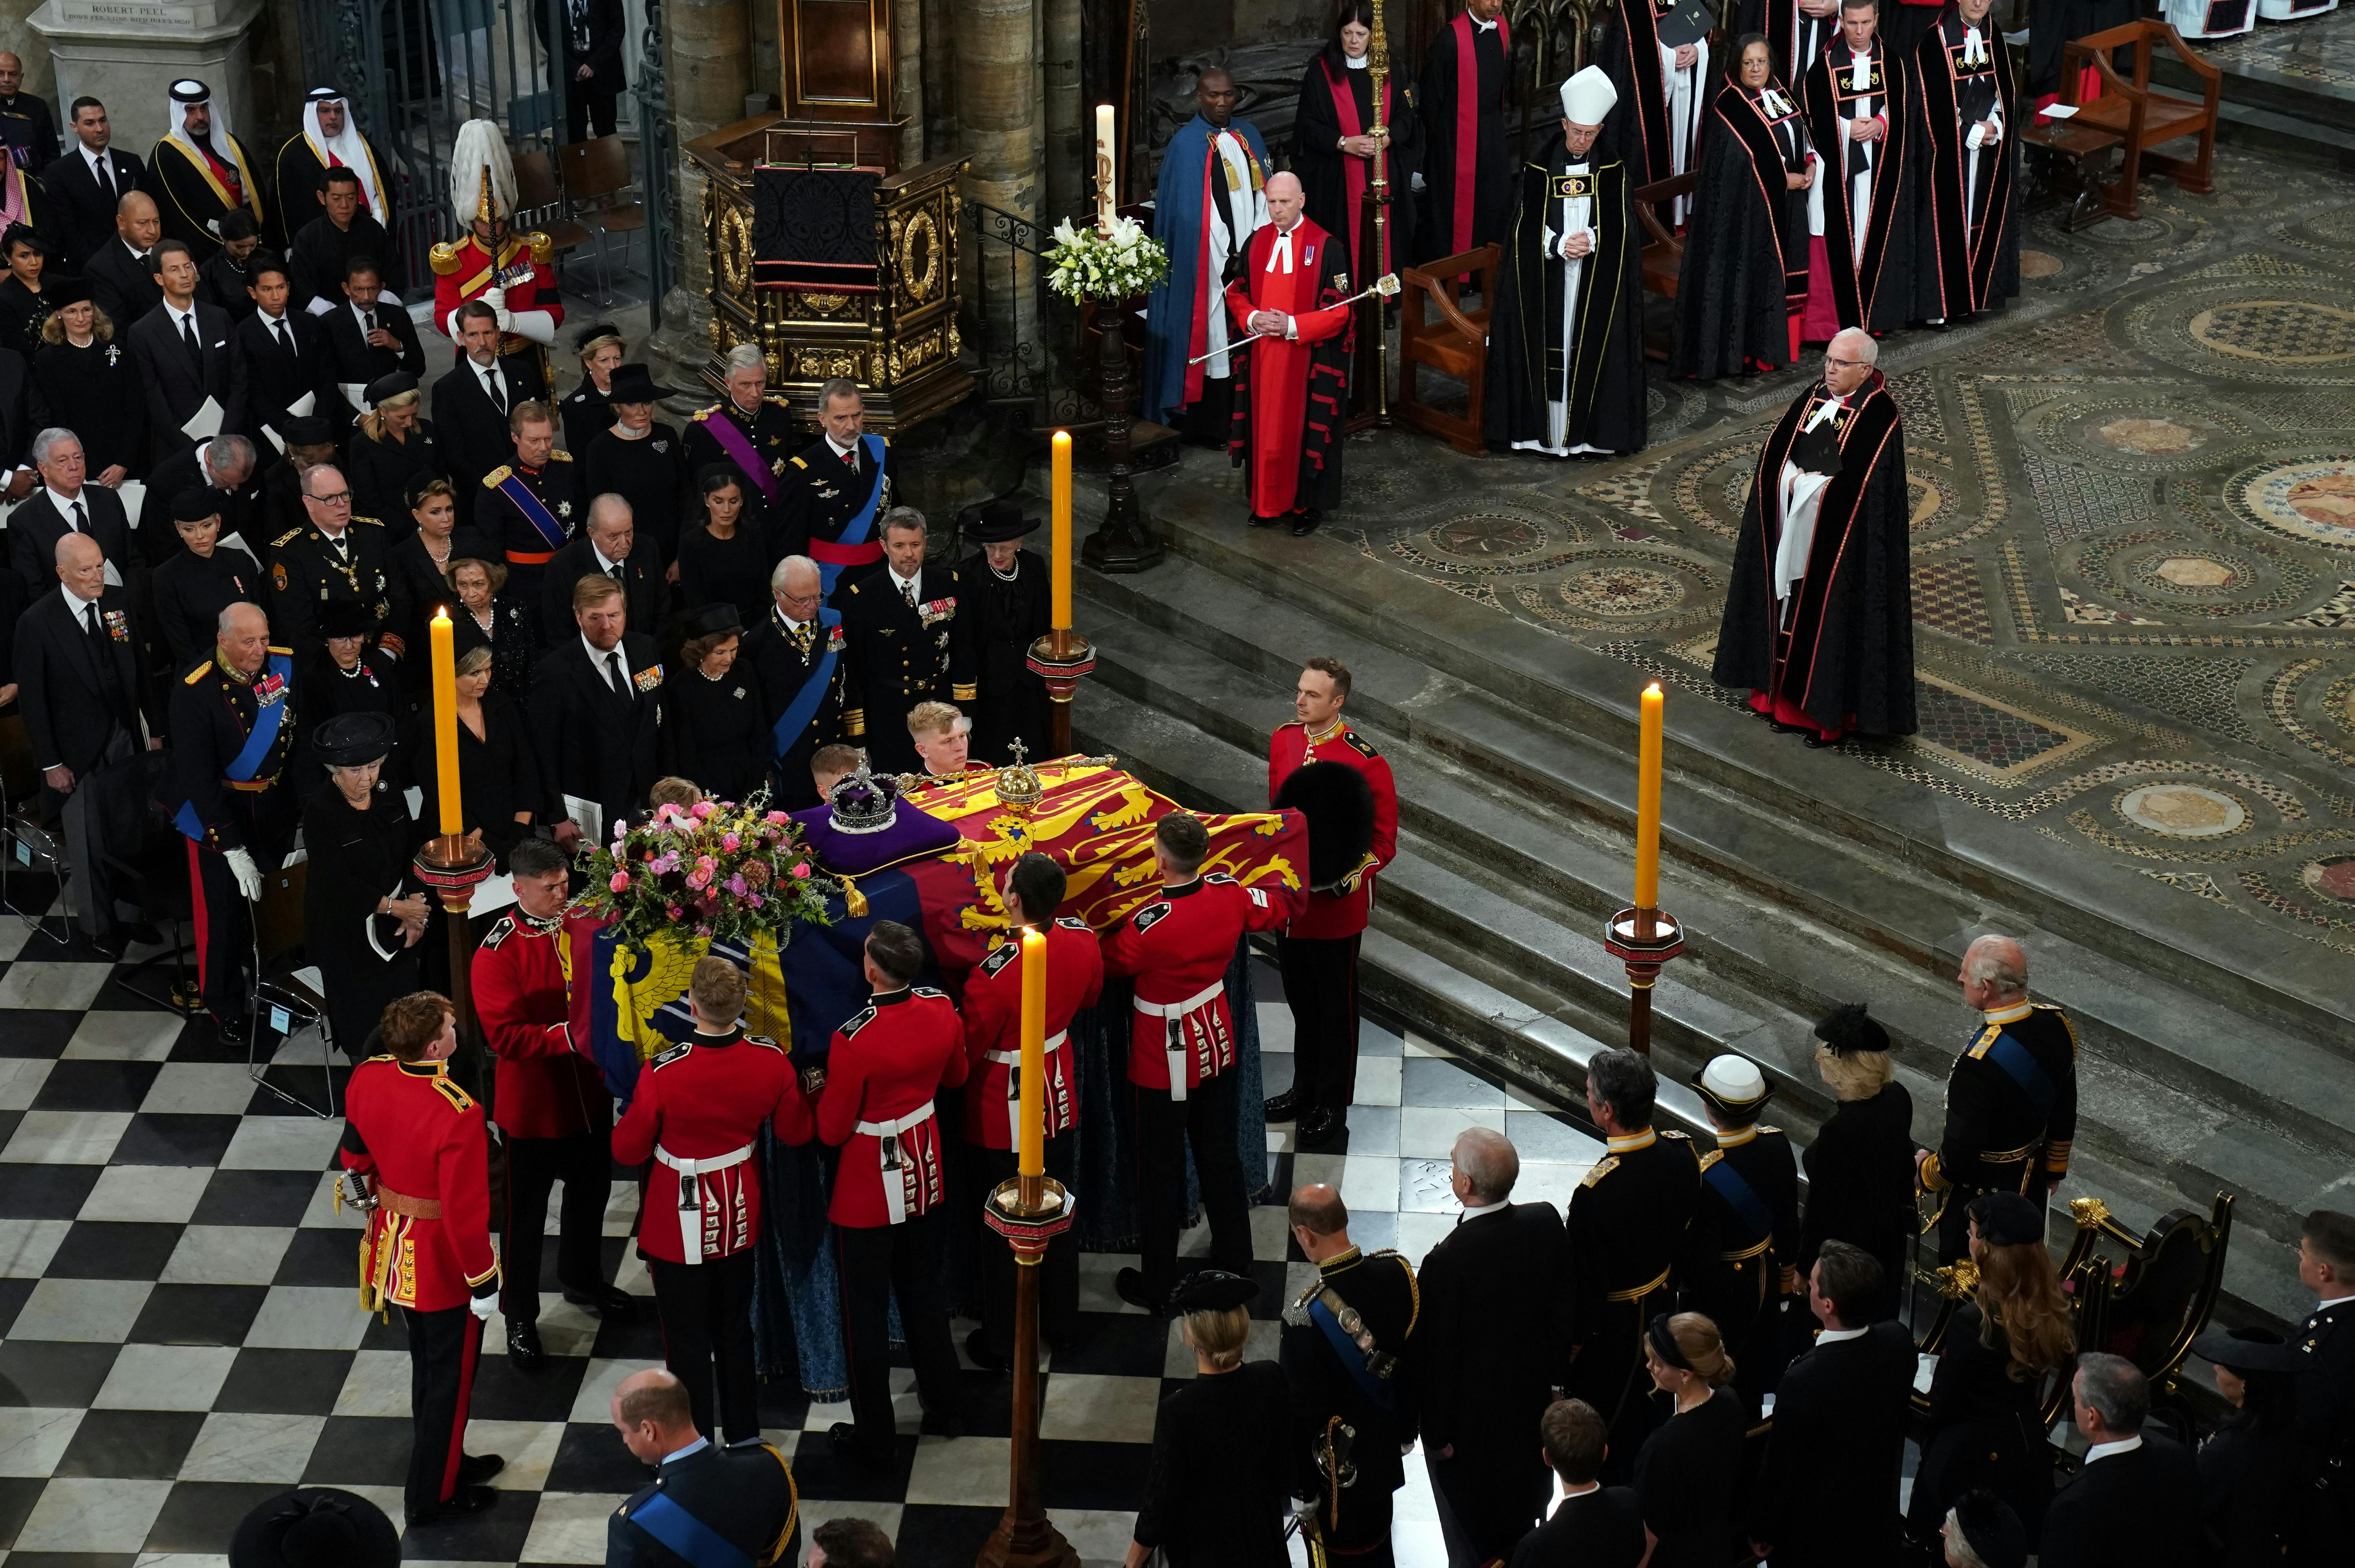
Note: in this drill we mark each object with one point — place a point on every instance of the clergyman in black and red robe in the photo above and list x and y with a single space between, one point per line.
1968 244
1819 623
1858 99
1291 379
1468 167
1333 145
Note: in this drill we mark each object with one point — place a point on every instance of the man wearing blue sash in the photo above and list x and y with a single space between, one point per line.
1741 1266
797 652
233 730
2011 1099
708 1507
833 496
755 433
531 506
1341 1351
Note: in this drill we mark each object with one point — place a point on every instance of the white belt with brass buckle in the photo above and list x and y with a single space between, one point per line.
691 1194
1014 1082
886 1135
1176 1014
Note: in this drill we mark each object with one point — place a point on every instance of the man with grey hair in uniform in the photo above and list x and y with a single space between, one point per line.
798 651
750 431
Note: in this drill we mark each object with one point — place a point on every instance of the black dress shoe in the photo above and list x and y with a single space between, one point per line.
848 1445
235 1029
948 1424
1779 727
523 1347
139 931
1283 1106
1303 523
469 1501
1318 1125
1818 742
610 1302
476 1469
1129 1285
978 1348
1259 522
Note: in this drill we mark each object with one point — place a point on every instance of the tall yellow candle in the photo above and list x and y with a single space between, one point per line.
1033 1152
445 724
1647 804
1062 533
1107 167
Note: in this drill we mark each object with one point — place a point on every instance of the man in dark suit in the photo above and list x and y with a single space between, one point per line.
1593 1525
24 413
366 340
65 503
2134 1501
327 244
472 402
279 352
594 35
1492 1350
608 547
596 715
2326 1389
29 127
122 279
1829 1494
226 464
86 711
798 644
183 352
905 643
743 1494
85 184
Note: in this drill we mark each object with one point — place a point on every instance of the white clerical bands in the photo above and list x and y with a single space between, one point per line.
1014 1083
691 1196
886 1136
1177 1013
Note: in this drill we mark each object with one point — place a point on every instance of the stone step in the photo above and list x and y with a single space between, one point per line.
1529 997
1764 900
2273 130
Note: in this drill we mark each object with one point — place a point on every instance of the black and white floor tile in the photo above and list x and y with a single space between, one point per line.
180 1336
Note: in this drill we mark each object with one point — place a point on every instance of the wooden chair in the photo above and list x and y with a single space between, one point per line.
2141 116
1455 343
596 176
539 205
1663 253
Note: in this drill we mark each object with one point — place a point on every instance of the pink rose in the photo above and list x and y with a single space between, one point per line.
801 868
702 809
698 878
619 883
736 885
756 900
777 818
675 912
731 843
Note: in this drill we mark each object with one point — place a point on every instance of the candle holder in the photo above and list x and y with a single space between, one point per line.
454 868
1124 541
1029 1212
1645 940
1060 657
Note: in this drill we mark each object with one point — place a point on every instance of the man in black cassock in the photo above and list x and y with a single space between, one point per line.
1969 239
1007 593
1565 341
1859 96
1819 618
1467 168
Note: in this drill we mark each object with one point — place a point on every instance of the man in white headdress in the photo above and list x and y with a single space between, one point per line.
201 170
1566 343
514 274
329 139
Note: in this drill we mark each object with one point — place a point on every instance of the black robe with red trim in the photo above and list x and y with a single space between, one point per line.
1975 255
1463 135
1629 54
1334 183
1846 657
1882 290
1745 258
1796 37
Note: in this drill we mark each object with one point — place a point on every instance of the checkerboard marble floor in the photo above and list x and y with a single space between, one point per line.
180 1336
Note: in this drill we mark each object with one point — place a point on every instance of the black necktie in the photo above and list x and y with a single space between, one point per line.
277 330
188 336
613 671
80 521
89 624
367 322
490 387
105 179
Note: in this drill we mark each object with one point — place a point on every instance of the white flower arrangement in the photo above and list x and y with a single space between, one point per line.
1117 264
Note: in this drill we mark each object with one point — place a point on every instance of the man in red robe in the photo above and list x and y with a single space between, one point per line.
1292 389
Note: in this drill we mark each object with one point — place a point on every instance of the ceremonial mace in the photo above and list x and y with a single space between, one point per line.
448 864
1373 372
1645 937
1387 285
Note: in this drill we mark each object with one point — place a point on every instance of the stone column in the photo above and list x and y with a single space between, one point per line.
998 115
127 52
34 50
908 79
1071 125
706 50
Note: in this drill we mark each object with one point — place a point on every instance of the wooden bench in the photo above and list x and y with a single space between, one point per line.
1453 342
2138 117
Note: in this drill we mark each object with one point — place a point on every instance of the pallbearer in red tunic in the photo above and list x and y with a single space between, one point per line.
993 1088
1819 618
1291 382
417 1159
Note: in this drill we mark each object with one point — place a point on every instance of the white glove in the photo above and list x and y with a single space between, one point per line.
496 296
484 1305
248 874
539 327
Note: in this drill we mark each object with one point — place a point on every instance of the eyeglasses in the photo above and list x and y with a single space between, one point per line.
340 498
1846 364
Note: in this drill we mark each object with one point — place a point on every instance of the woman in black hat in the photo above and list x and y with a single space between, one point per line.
724 561
361 918
351 674
1007 586
90 384
639 459
316 1527
723 740
587 410
499 772
26 301
420 565
2016 1331
201 579
1689 1475
1220 1486
2249 1464
1860 1165
394 450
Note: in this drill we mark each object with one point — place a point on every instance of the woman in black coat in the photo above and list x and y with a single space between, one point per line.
27 297
724 561
2249 1465
1745 277
92 388
510 629
1333 145
361 915
1860 1165
1005 591
420 567
1688 1473
723 740
642 460
394 450
1218 1491
201 581
498 773
588 411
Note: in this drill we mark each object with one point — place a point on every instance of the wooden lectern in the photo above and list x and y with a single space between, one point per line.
895 334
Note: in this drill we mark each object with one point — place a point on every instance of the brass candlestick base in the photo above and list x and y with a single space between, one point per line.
1062 658
1645 940
1029 1212
454 868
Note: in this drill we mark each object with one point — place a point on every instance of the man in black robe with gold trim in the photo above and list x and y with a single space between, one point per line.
1968 105
1860 100
1820 617
1565 341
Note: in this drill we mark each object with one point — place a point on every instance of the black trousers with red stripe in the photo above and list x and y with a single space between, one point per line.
443 1349
224 941
707 1323
877 1263
584 1163
1320 985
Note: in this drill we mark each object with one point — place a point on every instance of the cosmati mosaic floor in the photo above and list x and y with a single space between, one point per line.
2133 537
2317 54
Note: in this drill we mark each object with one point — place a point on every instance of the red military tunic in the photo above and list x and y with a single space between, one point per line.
1178 947
993 1032
545 1088
1279 371
418 1139
463 270
881 1074
698 1115
1330 914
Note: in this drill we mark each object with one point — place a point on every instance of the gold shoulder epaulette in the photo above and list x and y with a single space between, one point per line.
1775 1131
560 455
1711 1158
199 673
780 399
1672 1133
543 249
444 258
798 463
371 522
497 477
705 413
290 533
275 648
1985 1038
1603 1166
458 1098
